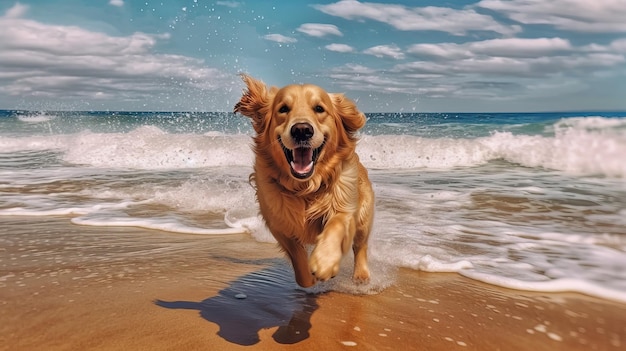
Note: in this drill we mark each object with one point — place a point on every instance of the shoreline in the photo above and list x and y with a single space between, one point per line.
68 287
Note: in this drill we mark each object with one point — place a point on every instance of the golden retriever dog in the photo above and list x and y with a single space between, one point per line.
310 185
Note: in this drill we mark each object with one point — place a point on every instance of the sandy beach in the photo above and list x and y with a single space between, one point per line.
69 287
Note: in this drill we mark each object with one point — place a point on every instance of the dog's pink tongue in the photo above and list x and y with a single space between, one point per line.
302 159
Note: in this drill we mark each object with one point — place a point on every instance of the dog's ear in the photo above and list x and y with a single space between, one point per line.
255 102
351 117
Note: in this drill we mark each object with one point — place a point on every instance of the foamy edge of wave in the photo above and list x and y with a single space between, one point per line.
554 285
243 226
168 226
466 268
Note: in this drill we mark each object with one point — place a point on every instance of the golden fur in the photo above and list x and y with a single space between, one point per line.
310 184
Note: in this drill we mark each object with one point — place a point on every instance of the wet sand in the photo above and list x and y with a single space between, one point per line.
68 287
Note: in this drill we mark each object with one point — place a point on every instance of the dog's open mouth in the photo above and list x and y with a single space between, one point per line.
302 159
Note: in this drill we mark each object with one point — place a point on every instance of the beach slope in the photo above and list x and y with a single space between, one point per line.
68 287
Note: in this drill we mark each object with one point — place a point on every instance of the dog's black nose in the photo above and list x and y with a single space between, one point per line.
301 132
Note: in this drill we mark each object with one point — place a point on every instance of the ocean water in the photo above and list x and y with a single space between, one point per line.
531 201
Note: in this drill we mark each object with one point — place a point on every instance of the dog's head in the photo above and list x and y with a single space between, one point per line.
300 128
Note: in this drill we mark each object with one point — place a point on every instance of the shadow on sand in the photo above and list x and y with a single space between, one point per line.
263 299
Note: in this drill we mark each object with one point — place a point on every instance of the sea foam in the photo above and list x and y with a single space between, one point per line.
583 146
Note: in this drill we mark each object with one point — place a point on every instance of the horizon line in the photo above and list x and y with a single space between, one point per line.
388 112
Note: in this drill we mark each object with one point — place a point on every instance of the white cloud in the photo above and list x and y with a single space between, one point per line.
118 3
354 68
594 16
279 38
18 10
521 47
507 47
319 29
453 21
414 80
70 63
489 70
486 66
443 50
392 51
518 67
339 48
619 45
231 4
22 34
360 78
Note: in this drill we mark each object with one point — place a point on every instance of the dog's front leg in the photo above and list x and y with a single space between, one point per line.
298 256
331 245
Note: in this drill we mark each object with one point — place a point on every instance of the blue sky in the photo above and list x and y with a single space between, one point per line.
389 56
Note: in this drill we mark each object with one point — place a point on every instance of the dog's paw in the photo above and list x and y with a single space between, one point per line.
324 261
361 275
305 281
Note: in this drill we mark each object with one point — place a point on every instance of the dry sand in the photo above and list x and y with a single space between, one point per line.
66 287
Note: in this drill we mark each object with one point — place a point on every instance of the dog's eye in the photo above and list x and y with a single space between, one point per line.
318 109
283 109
